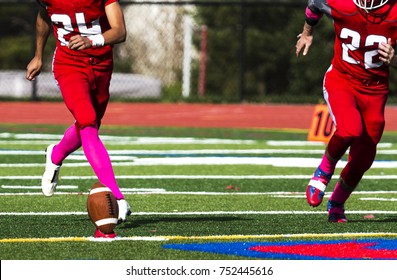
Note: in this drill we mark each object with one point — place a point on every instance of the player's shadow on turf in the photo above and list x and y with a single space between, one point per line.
136 223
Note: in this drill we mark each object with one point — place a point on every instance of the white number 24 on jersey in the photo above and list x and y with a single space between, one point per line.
371 40
68 28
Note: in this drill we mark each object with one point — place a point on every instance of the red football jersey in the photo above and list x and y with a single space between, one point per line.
358 35
73 17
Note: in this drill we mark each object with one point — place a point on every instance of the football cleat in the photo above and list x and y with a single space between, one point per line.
316 189
336 212
49 181
99 234
124 210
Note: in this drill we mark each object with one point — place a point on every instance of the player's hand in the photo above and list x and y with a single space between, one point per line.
79 42
386 52
33 69
305 40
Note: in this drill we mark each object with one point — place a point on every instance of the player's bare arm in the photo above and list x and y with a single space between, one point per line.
43 28
116 34
305 39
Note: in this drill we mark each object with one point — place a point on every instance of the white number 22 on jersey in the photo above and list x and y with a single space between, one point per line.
68 28
371 40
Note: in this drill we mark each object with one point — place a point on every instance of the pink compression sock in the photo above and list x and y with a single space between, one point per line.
99 160
339 194
326 165
68 144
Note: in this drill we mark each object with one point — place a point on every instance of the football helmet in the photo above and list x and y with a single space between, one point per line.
369 5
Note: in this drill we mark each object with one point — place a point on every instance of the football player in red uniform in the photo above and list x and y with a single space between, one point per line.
85 31
355 88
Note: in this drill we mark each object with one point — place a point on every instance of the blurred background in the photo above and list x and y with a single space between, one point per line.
213 51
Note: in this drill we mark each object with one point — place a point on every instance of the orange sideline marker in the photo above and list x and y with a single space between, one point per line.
322 127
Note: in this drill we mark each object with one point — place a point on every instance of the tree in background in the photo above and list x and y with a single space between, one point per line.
15 38
271 70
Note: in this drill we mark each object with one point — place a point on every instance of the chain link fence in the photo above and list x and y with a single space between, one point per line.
209 51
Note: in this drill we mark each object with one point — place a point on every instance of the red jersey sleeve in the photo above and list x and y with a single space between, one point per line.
107 2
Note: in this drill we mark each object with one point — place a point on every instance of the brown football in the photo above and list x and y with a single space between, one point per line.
102 208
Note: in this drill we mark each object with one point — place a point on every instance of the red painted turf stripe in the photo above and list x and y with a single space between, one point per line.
345 250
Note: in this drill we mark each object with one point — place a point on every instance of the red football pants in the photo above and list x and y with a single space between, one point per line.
84 84
357 109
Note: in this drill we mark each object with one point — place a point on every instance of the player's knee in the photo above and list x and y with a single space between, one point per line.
343 140
86 121
85 117
375 130
354 132
349 133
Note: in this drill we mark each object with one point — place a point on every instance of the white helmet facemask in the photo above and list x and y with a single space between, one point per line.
369 5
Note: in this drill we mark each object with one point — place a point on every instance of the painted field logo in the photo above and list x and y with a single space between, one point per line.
376 249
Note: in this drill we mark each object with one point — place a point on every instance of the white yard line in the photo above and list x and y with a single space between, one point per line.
193 152
196 177
32 138
205 213
378 199
20 187
119 160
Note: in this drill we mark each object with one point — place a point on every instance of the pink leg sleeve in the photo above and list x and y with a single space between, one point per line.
99 159
68 144
339 194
